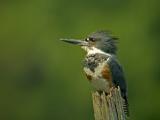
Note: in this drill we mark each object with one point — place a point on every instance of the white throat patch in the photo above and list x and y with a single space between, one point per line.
93 50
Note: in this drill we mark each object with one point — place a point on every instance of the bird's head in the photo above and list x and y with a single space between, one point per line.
100 40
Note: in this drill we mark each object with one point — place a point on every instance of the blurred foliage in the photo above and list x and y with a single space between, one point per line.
41 78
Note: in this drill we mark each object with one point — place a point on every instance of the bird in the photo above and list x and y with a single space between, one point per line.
101 65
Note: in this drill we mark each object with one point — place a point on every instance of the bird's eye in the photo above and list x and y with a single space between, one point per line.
92 39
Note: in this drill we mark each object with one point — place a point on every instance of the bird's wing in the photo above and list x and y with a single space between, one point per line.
118 79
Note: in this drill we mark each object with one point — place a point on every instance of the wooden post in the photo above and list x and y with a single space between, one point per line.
108 107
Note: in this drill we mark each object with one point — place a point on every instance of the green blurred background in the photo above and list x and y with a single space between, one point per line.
41 78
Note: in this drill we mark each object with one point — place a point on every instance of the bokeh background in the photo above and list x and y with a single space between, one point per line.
41 78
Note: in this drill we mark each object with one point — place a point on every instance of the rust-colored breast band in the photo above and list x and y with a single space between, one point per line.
106 73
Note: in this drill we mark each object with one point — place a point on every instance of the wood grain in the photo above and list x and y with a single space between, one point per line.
108 107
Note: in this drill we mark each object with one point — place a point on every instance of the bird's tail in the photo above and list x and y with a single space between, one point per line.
126 106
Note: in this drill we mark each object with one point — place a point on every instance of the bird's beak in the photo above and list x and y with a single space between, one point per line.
75 42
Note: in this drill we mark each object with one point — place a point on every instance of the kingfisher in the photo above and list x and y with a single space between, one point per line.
101 65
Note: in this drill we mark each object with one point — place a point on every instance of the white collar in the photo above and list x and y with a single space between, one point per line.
94 50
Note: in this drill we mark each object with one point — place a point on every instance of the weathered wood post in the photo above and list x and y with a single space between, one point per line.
108 107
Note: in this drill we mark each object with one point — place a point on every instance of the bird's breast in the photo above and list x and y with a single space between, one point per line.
97 72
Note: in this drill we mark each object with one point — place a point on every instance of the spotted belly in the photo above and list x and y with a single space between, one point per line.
100 78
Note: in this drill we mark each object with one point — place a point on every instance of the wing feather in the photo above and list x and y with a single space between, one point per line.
118 79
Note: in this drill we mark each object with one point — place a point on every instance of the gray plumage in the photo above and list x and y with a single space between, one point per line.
92 61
